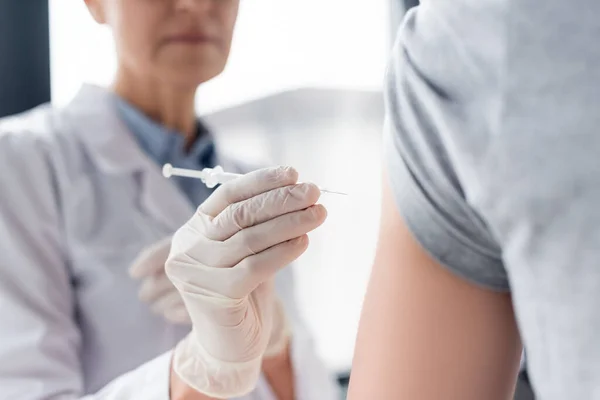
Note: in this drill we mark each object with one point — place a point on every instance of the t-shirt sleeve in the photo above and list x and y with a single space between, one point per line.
420 156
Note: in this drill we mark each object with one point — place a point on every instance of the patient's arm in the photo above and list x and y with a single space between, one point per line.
427 334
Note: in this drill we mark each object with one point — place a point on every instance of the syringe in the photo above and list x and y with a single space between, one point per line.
212 177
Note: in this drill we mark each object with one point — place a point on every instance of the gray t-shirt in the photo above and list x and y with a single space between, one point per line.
493 148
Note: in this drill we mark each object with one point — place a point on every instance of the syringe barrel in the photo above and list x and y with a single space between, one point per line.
188 173
216 176
224 177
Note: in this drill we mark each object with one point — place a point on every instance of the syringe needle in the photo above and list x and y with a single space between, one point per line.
332 192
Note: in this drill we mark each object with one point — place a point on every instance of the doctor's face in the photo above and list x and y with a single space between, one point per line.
184 42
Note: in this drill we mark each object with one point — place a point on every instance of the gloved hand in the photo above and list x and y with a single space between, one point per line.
223 261
157 290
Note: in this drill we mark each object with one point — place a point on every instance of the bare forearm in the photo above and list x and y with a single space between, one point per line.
279 372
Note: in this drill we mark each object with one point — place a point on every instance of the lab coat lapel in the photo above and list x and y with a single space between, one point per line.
95 120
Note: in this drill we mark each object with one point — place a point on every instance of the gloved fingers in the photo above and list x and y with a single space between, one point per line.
198 249
262 208
155 286
178 315
258 270
258 238
151 260
247 186
167 302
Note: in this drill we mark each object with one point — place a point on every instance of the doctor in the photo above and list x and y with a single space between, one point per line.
86 221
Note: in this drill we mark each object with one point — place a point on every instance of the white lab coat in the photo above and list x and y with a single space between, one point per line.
78 201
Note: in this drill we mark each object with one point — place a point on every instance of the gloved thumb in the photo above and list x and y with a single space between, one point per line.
151 260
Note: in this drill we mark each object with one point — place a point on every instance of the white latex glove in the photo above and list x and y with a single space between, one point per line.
223 261
156 288
164 299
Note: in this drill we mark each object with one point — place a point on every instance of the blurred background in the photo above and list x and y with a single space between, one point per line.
302 88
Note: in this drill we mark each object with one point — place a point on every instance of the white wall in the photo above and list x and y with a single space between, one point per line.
279 44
